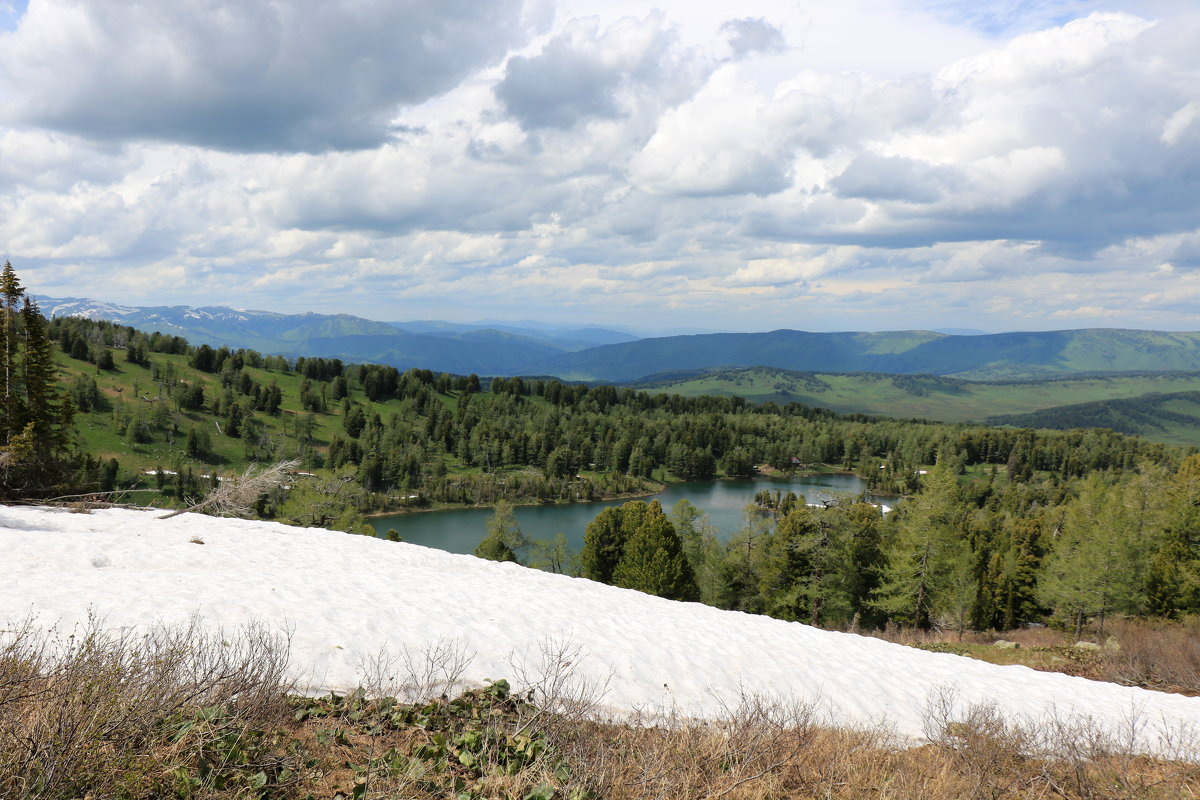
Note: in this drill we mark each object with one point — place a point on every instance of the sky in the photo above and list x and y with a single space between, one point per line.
832 165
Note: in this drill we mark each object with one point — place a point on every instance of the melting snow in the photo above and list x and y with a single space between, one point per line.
348 598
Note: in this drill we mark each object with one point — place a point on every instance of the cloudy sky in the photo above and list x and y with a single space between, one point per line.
686 164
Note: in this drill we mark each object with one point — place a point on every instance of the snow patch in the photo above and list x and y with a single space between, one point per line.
349 598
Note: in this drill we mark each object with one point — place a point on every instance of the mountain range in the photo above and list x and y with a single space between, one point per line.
485 349
976 357
608 355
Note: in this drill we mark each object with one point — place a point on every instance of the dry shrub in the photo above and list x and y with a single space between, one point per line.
1041 636
771 749
113 714
417 676
237 495
87 713
748 753
1160 655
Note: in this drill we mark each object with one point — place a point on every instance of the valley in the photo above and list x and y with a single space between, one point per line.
1159 406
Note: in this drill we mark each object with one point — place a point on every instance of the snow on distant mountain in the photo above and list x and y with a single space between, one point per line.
347 600
214 325
83 307
440 346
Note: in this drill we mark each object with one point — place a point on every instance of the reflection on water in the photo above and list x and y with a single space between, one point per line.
460 530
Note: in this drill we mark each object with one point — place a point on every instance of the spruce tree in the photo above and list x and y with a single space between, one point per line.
929 572
11 293
603 543
653 560
36 454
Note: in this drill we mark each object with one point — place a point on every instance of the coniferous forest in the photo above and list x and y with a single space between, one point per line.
994 528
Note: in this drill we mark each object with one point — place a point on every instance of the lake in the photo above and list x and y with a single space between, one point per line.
460 530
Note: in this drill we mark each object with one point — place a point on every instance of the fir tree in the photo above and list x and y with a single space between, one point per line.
653 560
37 453
11 293
929 570
504 537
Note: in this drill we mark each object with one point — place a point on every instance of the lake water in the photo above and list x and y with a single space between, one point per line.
460 530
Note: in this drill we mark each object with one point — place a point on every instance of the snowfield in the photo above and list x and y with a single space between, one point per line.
347 599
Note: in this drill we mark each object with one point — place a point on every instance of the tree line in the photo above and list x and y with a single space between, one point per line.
1009 526
417 437
965 552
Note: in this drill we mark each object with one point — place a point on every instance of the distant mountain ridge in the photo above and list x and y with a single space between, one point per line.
497 349
977 357
267 331
599 354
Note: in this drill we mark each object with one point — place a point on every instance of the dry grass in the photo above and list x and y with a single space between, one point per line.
1134 652
771 752
1156 655
190 713
93 713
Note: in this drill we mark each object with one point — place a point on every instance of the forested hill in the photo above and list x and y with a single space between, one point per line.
1154 405
1172 417
600 354
485 348
990 356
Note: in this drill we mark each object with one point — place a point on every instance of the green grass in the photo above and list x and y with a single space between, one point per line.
133 386
943 399
1170 418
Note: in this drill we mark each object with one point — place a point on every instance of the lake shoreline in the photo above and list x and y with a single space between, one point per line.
462 507
768 473
724 500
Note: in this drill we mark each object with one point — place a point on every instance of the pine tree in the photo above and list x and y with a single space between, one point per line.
1091 567
11 293
36 455
929 572
653 560
823 562
1173 579
504 537
603 542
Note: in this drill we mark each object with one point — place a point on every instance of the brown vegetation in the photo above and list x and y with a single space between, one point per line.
191 713
1164 656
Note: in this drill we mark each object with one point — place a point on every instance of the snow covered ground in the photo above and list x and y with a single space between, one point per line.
349 598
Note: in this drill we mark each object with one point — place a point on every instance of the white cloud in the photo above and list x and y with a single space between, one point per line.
888 168
750 35
1179 123
289 75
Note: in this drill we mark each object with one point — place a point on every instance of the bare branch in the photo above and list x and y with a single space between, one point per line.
237 496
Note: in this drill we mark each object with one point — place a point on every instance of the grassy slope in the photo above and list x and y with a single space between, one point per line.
1172 418
131 384
946 399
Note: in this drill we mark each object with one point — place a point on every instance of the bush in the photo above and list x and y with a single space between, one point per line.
102 713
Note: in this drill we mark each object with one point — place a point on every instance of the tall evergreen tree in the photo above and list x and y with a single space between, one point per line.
929 566
1173 579
36 453
1091 568
11 293
653 560
603 543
